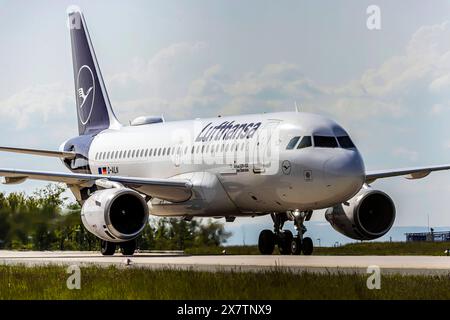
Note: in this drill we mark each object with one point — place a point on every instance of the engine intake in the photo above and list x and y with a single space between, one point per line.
369 215
116 214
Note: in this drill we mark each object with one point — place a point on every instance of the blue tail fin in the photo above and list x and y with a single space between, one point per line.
93 107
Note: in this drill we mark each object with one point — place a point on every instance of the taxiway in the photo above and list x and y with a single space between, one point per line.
252 263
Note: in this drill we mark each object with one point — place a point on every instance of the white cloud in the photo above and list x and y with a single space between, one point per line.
423 69
180 82
167 74
39 102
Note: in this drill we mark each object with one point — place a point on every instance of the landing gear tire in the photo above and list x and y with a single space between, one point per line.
107 248
266 242
307 246
284 242
296 246
128 248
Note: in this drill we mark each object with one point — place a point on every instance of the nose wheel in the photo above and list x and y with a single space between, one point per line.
301 244
284 239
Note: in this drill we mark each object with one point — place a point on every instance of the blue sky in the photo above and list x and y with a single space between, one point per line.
390 88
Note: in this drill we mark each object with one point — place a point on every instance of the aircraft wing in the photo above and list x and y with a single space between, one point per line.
40 152
408 173
174 190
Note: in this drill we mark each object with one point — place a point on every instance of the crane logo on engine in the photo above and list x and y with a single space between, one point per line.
108 170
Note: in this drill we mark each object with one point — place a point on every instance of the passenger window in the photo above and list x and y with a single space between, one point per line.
292 143
305 142
346 142
325 142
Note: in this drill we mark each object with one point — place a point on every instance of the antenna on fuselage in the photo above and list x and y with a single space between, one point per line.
296 106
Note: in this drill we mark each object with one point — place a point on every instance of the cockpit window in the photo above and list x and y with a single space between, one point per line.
346 142
305 142
325 142
292 143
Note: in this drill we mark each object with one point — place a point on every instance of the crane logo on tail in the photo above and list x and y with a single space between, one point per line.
85 93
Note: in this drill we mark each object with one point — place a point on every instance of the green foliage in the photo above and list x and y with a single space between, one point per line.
43 221
179 234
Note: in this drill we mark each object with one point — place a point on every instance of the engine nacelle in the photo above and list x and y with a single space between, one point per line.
116 214
369 215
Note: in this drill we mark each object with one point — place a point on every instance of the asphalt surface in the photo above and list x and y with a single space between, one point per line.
423 265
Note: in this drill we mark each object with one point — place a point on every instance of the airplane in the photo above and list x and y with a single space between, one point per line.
283 164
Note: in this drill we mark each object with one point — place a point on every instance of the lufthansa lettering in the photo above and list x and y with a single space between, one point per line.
228 131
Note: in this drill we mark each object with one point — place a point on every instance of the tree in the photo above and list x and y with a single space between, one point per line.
212 233
44 221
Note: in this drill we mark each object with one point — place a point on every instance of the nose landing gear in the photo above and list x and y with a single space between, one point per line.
284 239
301 244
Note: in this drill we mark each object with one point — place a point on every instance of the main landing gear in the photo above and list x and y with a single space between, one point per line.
287 243
109 248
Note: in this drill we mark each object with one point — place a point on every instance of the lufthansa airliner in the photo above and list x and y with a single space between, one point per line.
284 164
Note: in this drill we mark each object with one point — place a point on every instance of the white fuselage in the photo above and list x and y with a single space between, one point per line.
239 165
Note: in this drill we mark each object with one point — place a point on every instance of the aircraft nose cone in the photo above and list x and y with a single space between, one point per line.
345 172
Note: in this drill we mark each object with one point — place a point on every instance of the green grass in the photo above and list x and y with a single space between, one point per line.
361 249
49 282
388 248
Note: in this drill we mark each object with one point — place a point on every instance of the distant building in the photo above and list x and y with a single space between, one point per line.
431 236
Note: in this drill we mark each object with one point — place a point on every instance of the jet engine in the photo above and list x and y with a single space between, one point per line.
115 215
369 215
